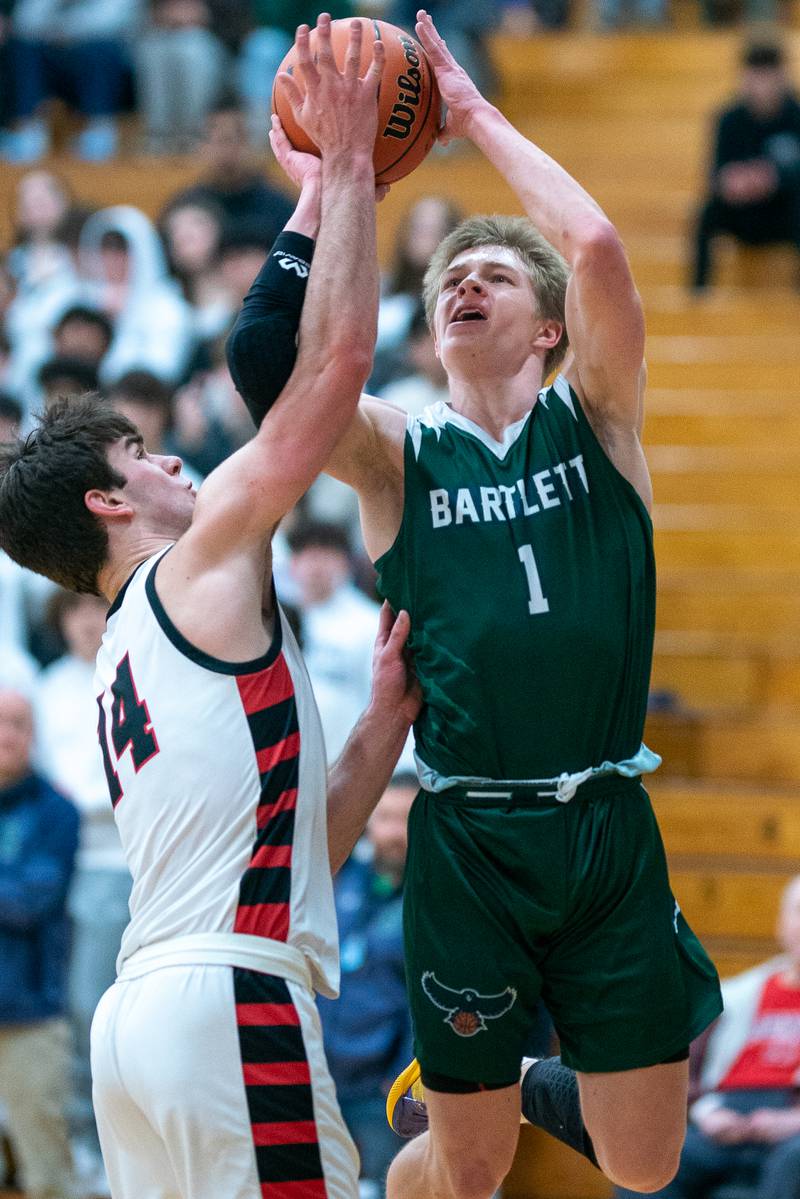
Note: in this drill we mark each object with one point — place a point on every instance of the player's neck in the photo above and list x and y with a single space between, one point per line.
494 404
124 560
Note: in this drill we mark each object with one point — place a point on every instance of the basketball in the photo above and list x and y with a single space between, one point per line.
409 108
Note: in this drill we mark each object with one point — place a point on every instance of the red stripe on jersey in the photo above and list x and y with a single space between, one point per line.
288 748
286 801
266 687
307 1188
267 1015
263 920
271 855
290 1132
276 1074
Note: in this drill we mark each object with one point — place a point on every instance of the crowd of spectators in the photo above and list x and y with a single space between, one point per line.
171 60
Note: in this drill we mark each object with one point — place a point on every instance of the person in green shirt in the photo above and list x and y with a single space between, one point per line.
513 524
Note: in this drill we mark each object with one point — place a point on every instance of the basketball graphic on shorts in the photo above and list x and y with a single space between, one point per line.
409 107
466 1024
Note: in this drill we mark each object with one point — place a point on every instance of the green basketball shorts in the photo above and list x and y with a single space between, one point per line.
510 901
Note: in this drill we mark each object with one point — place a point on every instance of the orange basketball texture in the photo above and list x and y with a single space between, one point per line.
409 107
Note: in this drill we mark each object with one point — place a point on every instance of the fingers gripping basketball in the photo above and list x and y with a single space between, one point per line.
409 107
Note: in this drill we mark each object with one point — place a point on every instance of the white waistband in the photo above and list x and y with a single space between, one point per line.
563 788
220 949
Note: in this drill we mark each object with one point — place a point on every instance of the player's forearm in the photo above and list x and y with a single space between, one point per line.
359 777
341 308
556 203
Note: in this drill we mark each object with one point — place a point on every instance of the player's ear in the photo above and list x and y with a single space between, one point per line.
547 335
108 505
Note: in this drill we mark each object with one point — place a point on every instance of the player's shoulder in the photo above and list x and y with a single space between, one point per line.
560 397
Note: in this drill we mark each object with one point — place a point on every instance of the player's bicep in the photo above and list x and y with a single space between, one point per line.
372 446
605 323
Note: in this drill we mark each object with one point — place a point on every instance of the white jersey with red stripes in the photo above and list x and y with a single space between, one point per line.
217 775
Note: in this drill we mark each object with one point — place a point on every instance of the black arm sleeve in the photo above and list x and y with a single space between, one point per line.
262 346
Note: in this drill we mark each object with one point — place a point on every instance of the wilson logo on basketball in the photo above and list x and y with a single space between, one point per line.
409 85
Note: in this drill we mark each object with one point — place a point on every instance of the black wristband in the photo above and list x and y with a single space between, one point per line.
284 275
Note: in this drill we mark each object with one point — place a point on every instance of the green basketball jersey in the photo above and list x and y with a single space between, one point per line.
527 568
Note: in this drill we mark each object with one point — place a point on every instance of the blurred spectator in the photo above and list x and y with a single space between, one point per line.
230 180
755 177
7 288
66 377
423 227
745 1126
76 52
180 66
192 231
38 839
147 402
10 418
265 47
5 351
42 201
5 27
339 625
242 250
44 274
621 14
464 25
426 380
125 272
83 333
367 1030
69 754
13 616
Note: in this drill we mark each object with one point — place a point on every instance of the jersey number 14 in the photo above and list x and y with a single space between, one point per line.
130 728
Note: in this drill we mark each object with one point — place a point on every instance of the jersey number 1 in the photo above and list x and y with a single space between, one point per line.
130 728
537 604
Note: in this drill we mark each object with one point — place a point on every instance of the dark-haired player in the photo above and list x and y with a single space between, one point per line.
513 524
209 1076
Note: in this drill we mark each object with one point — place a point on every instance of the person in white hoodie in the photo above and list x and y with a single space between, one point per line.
338 626
745 1126
125 274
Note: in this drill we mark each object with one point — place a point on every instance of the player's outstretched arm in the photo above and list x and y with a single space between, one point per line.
262 346
262 350
244 498
604 313
361 774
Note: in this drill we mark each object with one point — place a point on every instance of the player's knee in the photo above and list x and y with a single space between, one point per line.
643 1172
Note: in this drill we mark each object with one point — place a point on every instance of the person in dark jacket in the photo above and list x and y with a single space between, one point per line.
38 840
368 1029
755 177
231 180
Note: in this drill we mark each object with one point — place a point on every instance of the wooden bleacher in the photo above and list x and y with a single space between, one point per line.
629 116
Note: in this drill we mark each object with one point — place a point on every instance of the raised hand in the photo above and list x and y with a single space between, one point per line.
458 91
339 110
301 168
394 684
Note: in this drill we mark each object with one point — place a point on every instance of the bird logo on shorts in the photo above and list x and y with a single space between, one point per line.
467 1010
